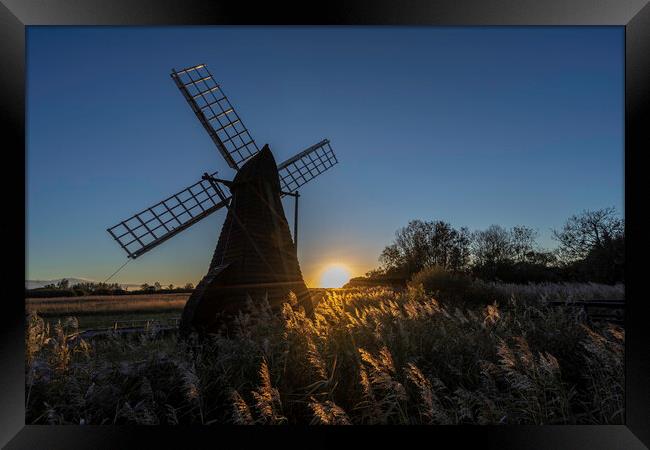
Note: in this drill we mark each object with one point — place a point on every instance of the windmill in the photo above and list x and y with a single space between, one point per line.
255 256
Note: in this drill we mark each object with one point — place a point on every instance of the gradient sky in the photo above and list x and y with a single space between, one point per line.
474 126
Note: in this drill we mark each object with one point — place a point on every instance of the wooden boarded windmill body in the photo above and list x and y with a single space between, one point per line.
255 256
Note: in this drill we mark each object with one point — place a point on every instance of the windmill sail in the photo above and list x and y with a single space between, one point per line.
145 230
151 227
306 165
216 114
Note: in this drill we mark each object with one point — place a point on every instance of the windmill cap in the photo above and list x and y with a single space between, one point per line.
261 167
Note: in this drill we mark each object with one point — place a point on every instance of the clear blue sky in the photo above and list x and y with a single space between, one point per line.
474 126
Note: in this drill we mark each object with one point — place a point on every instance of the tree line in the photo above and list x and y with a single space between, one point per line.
157 287
590 249
64 289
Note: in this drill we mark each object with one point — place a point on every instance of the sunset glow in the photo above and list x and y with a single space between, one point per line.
334 276
345 225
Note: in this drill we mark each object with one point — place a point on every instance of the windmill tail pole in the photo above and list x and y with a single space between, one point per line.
295 195
295 221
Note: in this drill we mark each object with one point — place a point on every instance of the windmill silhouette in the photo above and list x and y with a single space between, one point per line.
255 256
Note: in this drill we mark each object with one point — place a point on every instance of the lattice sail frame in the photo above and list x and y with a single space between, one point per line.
154 225
145 230
216 114
306 166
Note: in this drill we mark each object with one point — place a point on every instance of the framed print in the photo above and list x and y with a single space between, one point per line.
417 220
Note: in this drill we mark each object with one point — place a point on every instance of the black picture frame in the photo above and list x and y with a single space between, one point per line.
15 15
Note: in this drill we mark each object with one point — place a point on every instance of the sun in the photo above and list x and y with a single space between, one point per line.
334 276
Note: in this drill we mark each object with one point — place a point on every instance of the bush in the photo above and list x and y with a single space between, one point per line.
518 272
376 281
455 288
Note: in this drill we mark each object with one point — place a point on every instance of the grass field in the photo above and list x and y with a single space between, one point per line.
370 356
94 312
106 304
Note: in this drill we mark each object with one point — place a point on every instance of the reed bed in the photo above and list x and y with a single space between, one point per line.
369 356
560 291
103 304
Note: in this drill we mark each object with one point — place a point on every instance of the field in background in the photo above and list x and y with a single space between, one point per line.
94 312
103 311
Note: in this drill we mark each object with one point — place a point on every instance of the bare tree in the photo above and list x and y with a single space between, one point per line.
522 243
460 253
409 250
491 246
426 243
589 230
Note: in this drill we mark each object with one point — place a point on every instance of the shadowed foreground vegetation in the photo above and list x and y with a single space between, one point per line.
370 356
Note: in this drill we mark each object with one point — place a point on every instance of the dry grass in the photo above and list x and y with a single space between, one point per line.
103 304
560 291
370 356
